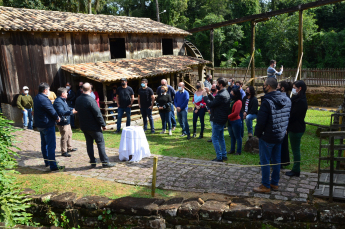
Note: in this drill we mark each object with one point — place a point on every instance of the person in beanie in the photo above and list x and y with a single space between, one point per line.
25 103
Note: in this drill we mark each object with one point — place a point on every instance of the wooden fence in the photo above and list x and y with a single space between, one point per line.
312 76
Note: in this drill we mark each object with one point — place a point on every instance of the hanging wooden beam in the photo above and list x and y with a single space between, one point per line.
212 49
300 43
265 15
253 53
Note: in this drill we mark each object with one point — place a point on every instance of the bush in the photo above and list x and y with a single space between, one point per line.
12 203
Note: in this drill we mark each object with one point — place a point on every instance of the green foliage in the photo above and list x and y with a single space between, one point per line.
259 62
12 203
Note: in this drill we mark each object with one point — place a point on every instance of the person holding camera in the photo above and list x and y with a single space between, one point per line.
271 70
64 112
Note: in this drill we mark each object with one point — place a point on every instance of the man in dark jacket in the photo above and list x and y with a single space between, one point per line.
272 123
219 106
70 100
45 118
92 123
64 111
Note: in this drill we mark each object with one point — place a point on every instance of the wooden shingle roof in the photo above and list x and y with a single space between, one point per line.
134 68
18 19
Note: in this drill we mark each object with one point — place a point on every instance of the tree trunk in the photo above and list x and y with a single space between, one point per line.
157 9
89 6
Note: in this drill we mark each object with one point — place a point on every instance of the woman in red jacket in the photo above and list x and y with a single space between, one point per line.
235 122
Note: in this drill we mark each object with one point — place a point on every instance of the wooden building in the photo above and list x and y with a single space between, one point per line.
57 47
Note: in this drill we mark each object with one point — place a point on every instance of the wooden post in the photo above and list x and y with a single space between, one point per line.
212 50
300 42
253 51
172 80
157 10
331 168
105 102
168 79
153 188
200 71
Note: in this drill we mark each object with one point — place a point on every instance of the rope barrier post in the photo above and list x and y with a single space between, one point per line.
153 189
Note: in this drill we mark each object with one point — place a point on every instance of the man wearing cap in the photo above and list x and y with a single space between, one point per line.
25 103
124 100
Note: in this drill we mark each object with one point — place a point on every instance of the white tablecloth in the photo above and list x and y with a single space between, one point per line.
133 142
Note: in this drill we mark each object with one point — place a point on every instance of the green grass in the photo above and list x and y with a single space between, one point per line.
176 146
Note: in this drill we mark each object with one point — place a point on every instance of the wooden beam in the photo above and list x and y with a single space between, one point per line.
253 53
265 15
300 43
212 49
200 69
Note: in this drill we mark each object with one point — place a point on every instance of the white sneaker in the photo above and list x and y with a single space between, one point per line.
163 132
170 132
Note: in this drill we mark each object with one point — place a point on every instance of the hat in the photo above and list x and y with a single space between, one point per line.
25 87
123 79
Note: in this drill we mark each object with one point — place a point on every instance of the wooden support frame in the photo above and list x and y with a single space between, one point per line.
253 53
265 15
300 43
212 49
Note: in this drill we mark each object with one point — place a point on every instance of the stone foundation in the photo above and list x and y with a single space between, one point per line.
94 212
12 113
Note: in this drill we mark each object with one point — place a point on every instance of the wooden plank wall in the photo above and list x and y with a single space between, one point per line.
26 58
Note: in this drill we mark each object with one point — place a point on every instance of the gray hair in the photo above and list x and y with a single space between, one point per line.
164 80
61 90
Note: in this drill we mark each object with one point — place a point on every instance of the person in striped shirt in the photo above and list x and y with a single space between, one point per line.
272 72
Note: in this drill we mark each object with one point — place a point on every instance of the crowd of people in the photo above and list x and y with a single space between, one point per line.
227 104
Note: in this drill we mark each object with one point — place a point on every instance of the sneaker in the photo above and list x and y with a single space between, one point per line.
174 128
93 164
117 132
292 174
194 135
58 168
231 152
72 150
152 132
182 135
274 187
25 127
217 160
108 165
188 137
163 132
225 158
262 189
210 140
66 155
170 133
237 154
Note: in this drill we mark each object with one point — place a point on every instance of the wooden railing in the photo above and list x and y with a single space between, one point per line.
135 112
312 76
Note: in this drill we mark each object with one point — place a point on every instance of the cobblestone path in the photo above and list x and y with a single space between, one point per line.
181 174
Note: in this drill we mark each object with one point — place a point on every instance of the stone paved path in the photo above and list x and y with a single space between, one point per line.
181 174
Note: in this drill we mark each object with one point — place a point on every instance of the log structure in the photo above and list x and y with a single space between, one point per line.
35 44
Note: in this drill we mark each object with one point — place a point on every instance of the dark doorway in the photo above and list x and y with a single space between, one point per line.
167 46
117 48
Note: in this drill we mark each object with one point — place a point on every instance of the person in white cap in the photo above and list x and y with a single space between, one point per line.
25 103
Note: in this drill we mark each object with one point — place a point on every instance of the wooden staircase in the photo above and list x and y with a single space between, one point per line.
192 50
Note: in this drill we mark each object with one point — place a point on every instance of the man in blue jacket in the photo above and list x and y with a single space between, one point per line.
45 118
272 123
65 112
181 104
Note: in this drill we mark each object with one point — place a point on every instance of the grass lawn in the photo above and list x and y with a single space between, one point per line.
200 149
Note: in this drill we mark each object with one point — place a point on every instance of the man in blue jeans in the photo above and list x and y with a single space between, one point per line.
45 118
172 93
124 101
146 100
181 104
272 123
219 106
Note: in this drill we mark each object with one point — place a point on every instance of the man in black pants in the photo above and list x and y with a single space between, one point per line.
92 123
